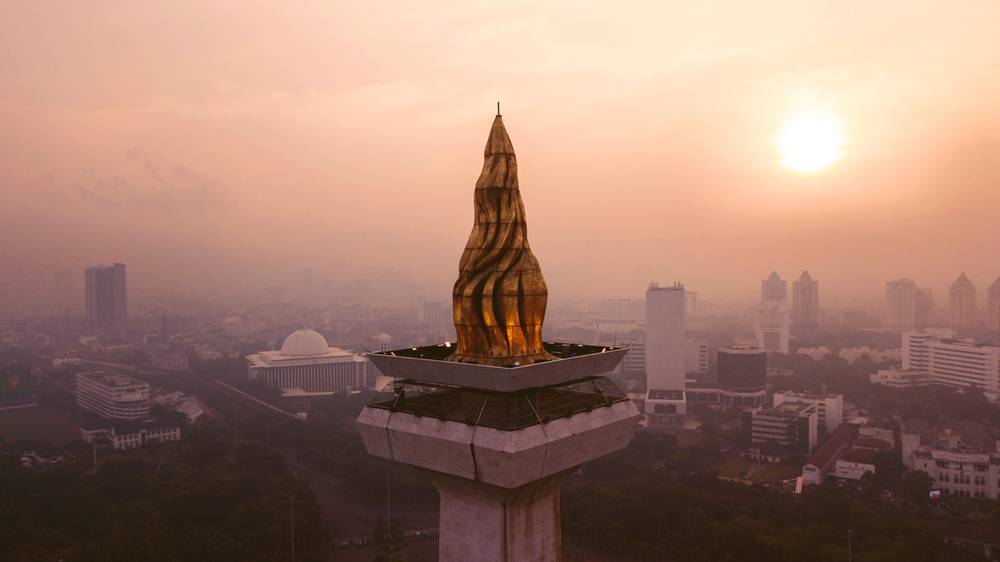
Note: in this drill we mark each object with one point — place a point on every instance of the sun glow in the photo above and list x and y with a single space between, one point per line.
810 143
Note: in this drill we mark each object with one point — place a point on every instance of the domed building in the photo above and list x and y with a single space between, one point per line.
306 366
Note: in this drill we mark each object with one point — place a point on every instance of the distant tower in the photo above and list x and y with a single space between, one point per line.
962 300
923 308
805 300
499 419
690 304
772 323
773 288
994 305
106 296
900 299
665 349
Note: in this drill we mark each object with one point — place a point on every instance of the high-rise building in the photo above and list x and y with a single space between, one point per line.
697 350
635 359
962 301
623 310
665 337
994 306
773 288
805 300
106 296
923 308
112 395
690 304
900 299
436 313
771 323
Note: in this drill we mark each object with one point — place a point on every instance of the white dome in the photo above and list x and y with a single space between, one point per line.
305 342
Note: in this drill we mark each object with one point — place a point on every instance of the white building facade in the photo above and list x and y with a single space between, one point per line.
829 407
132 435
665 349
900 300
772 323
774 288
306 366
959 363
112 395
697 351
959 466
792 425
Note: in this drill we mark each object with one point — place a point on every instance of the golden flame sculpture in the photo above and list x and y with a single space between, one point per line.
500 295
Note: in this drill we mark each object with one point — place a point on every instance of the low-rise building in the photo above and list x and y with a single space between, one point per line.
829 407
854 464
121 435
963 459
901 378
848 453
823 460
792 425
112 395
168 360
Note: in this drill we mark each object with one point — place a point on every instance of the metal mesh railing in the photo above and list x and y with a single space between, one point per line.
507 411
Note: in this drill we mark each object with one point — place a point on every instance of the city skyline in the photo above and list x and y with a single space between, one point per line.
255 304
264 151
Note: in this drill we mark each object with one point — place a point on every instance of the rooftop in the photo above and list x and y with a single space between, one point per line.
871 443
110 379
835 443
866 456
790 408
810 395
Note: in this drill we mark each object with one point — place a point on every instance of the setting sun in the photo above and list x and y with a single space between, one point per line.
810 143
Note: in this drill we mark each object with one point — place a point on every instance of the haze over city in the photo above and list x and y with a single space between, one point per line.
221 148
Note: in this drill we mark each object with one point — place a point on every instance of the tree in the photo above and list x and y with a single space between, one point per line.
916 486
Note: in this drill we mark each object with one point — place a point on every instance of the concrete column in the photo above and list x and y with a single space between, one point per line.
488 523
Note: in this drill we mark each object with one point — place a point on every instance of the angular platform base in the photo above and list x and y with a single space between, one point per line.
491 524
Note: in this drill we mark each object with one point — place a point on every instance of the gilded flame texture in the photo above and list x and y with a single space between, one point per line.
500 295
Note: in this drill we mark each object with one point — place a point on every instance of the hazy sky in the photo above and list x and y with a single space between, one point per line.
223 146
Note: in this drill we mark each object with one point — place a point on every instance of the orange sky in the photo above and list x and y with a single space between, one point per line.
221 147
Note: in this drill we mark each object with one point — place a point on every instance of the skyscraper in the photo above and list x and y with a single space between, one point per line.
805 300
771 323
773 288
900 298
665 340
962 301
994 306
923 308
106 297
